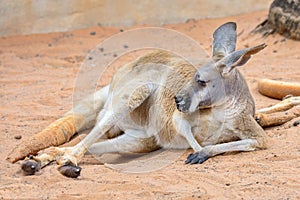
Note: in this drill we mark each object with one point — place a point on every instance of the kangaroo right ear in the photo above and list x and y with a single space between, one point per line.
224 40
237 58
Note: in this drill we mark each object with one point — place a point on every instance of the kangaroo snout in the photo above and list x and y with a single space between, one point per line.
178 99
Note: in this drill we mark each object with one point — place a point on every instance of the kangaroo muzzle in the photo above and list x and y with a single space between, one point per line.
182 103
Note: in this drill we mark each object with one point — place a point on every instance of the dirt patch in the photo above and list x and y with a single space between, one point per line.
37 75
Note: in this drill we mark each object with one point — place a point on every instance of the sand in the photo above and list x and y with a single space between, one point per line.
37 78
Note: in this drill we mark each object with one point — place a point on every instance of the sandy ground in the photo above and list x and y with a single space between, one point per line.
37 76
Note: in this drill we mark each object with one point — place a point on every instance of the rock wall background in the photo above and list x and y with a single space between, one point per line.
19 17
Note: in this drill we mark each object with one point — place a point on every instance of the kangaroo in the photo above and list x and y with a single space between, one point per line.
162 101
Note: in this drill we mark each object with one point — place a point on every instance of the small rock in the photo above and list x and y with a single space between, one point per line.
296 123
121 30
93 33
49 45
125 46
18 137
227 184
115 55
101 49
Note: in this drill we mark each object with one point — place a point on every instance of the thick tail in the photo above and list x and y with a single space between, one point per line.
82 116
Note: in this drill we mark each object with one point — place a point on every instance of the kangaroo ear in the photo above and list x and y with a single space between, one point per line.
224 40
237 58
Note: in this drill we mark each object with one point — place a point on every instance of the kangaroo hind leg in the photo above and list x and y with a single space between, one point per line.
132 141
114 110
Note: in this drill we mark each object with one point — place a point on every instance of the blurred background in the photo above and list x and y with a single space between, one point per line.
20 17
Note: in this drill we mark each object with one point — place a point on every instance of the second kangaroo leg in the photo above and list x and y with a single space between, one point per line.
132 141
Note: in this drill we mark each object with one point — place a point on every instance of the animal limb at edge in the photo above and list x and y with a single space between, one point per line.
280 113
278 89
285 110
277 118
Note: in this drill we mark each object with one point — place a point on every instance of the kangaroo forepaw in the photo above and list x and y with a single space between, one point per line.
197 158
70 170
30 166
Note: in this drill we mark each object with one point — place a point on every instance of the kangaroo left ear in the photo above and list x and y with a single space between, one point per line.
237 58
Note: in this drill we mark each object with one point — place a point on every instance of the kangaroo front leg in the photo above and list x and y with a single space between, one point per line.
184 128
250 141
212 150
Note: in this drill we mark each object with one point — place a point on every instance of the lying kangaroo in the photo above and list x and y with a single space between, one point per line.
137 110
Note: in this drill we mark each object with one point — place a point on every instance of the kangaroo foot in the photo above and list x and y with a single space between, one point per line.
197 157
30 166
70 170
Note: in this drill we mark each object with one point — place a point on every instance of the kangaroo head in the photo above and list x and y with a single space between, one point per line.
214 82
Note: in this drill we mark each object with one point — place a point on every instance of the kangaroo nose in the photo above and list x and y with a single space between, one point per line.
178 99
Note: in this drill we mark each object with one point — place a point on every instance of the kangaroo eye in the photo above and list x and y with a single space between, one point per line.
201 82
